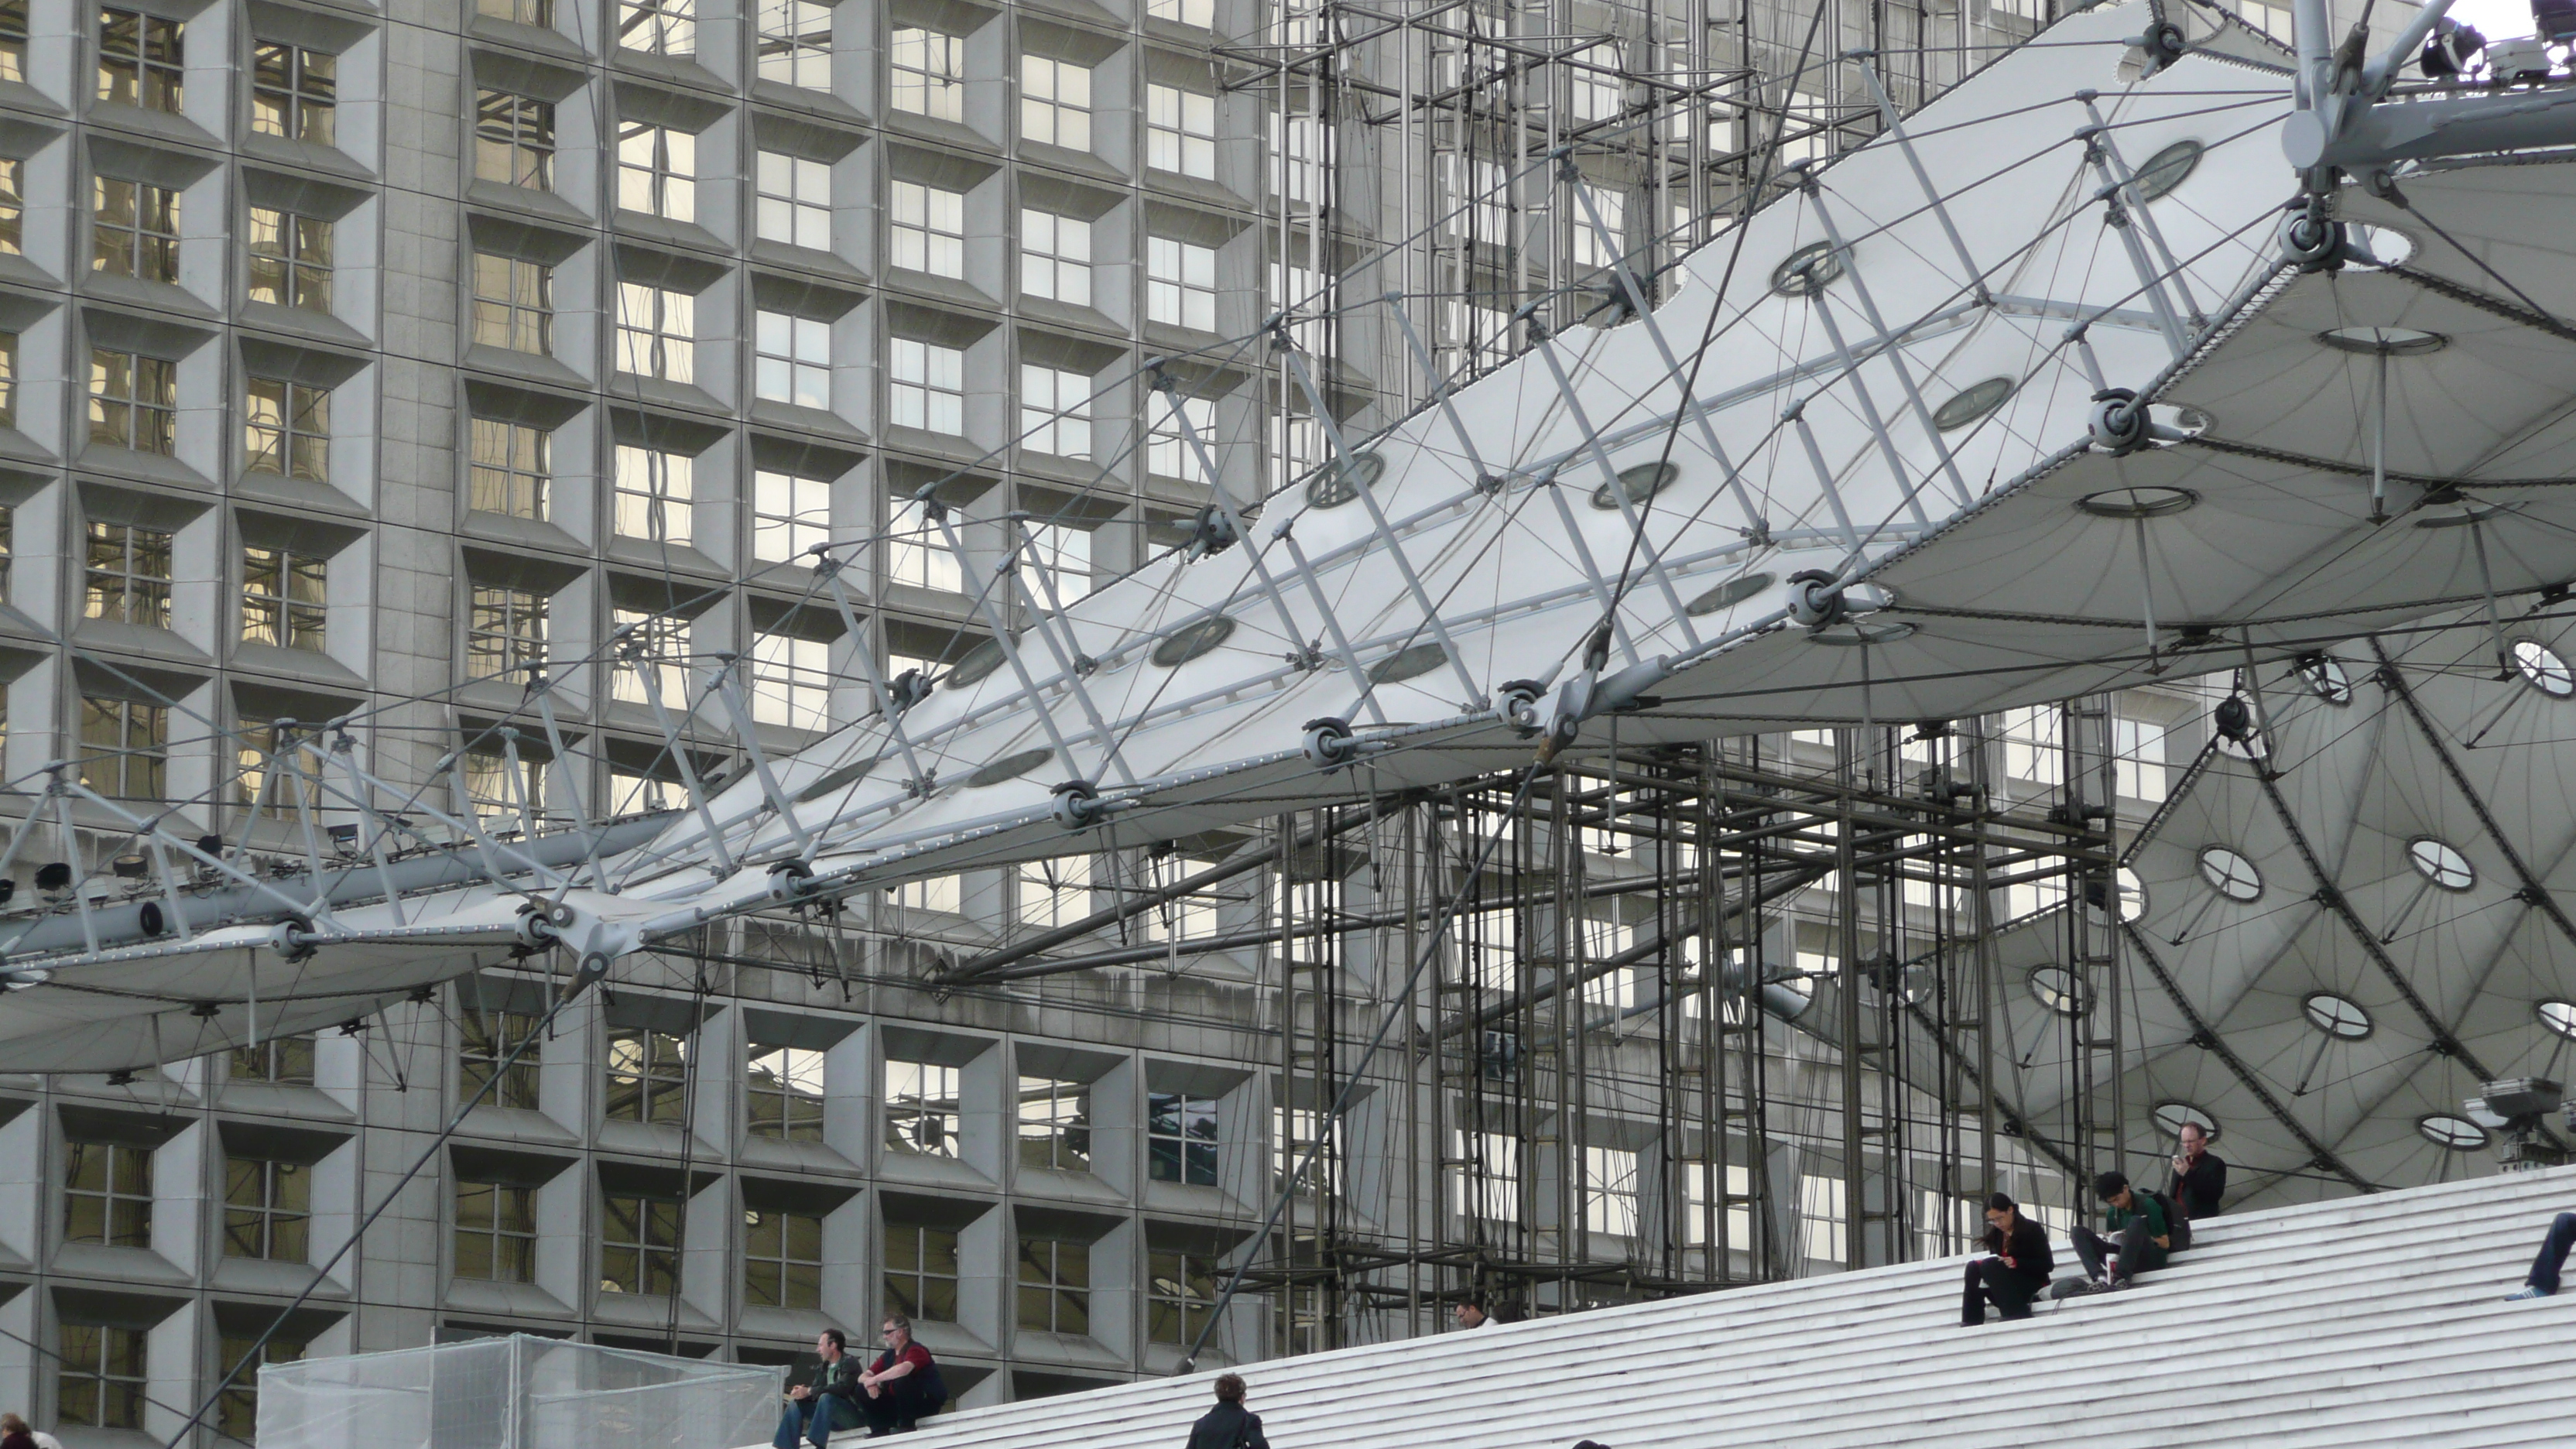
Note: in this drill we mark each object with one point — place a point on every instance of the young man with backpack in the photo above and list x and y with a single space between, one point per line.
1229 1425
902 1387
2139 1224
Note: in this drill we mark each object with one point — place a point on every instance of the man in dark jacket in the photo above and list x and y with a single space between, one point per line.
2199 1179
2015 1272
2138 1235
1229 1425
824 1403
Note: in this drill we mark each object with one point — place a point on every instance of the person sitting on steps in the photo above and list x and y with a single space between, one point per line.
902 1386
2017 1270
814 1410
2140 1236
2542 1280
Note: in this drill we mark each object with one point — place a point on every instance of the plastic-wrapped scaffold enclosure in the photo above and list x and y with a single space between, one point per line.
515 1393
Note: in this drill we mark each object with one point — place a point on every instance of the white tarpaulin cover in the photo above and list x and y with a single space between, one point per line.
514 1393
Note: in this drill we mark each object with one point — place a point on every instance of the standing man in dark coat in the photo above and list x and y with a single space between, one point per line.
2199 1178
1229 1425
2015 1272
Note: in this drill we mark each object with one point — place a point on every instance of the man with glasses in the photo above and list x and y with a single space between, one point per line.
902 1387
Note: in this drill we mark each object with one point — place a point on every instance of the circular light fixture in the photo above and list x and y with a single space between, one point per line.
1409 663
2455 1134
1853 636
2168 168
2558 1016
840 779
2172 1117
1342 482
1972 403
2230 874
2542 669
1008 767
2383 341
1639 484
976 665
2336 1016
1727 595
1808 270
2153 500
2325 677
2057 988
1190 641
2438 862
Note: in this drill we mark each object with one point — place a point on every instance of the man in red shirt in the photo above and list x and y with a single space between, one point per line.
902 1386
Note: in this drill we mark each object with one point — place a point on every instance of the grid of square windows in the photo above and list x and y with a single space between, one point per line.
929 73
793 200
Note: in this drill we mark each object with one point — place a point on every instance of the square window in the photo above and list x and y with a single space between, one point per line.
496 1232
791 681
1180 131
286 428
294 92
794 200
1167 447
268 1209
99 1376
124 748
927 227
1055 411
1055 1124
1055 102
1180 1296
237 1414
1180 283
128 576
134 230
505 633
514 139
107 1194
654 492
657 169
513 303
1064 552
785 1090
789 515
1055 257
639 1244
928 387
13 203
511 463
658 27
290 259
488 1039
283 598
793 360
1180 1138
139 59
1054 1286
921 1271
796 43
921 1108
1055 892
13 40
782 1259
1200 13
133 401
655 657
656 332
647 1076
916 552
929 73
